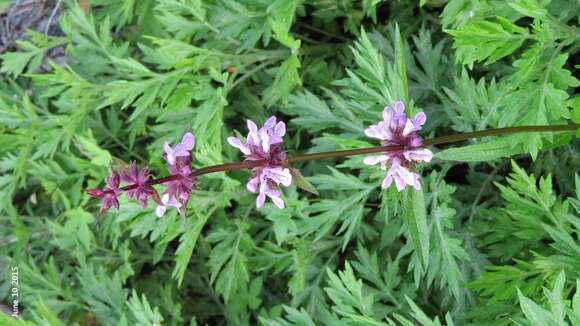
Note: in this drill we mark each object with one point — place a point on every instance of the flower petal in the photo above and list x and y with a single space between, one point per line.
113 180
173 202
400 107
278 201
188 141
169 154
419 155
387 182
252 184
280 129
237 143
373 160
387 115
409 128
416 181
253 135
279 176
160 211
270 123
265 138
115 202
377 131
399 182
419 119
407 175
260 200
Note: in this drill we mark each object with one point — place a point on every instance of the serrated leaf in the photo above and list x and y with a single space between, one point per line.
487 40
401 64
89 146
534 313
301 182
142 311
14 63
186 245
228 261
529 8
280 20
338 181
415 218
286 79
487 151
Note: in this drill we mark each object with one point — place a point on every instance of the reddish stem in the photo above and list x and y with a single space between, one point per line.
367 150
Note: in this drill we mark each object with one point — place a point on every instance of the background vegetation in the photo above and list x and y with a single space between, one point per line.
498 238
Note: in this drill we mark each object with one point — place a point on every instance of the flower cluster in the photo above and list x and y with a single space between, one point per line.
265 144
398 130
110 194
178 161
137 188
179 185
264 153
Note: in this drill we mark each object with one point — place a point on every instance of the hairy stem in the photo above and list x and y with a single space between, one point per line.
368 150
497 132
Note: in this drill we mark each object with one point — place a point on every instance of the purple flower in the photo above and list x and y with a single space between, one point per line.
167 200
137 180
179 164
110 194
182 149
184 183
265 144
398 130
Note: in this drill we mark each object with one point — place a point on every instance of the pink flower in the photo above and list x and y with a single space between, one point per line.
109 195
398 130
138 179
183 149
167 200
181 187
265 144
179 165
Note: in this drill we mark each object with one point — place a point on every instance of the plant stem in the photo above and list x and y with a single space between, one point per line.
497 132
228 167
367 150
347 152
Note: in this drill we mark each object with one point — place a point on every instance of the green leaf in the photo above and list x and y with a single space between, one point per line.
345 291
296 318
529 8
103 293
338 181
421 317
314 114
88 145
8 320
349 210
534 313
44 314
488 151
286 79
575 104
447 253
186 245
283 225
488 41
142 312
401 64
415 218
280 20
301 182
501 283
228 261
14 63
